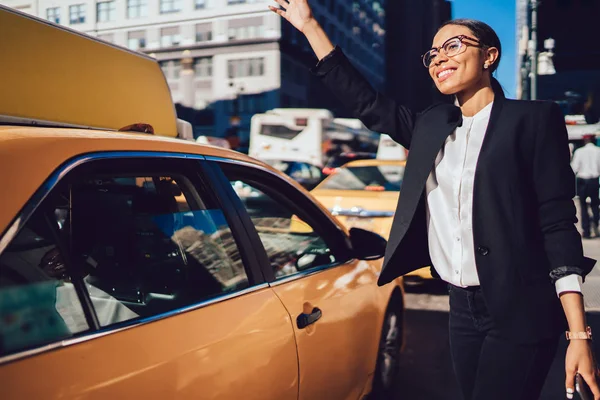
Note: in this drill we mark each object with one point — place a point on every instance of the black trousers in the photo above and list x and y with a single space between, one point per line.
588 188
487 366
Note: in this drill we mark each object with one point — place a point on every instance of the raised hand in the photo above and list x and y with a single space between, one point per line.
297 12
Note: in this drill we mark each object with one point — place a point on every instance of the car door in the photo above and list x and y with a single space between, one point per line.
332 298
134 279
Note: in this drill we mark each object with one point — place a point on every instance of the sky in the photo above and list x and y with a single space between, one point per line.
500 15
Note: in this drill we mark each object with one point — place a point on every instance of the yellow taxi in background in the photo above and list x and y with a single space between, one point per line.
138 265
364 194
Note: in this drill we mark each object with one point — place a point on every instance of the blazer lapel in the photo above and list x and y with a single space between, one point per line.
431 131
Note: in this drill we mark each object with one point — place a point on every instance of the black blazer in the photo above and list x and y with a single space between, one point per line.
523 210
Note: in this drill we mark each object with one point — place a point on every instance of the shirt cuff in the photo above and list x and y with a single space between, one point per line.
569 283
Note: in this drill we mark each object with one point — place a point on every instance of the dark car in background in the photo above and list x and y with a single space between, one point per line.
306 174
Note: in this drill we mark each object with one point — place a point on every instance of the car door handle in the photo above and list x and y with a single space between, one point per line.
305 320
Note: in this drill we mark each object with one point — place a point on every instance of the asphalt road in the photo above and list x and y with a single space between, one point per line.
426 369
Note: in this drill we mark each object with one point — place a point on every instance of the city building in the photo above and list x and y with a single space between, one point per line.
225 60
576 57
411 26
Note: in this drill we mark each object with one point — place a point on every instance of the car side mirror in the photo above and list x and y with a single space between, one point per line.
367 245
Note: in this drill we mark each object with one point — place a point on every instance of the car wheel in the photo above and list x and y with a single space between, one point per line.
388 357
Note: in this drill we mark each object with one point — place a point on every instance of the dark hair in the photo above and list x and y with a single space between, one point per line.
487 37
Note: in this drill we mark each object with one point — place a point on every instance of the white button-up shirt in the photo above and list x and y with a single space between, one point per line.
586 161
449 190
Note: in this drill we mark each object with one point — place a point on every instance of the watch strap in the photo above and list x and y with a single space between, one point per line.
587 335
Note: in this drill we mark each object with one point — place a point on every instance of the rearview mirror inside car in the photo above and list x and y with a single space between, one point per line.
367 245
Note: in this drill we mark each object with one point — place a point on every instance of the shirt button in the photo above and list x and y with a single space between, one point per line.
456 272
458 239
484 251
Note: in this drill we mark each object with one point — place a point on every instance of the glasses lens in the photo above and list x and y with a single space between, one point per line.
428 58
453 47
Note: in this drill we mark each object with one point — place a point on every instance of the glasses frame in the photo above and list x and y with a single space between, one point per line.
464 45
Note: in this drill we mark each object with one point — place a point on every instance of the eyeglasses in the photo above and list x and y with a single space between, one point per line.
450 48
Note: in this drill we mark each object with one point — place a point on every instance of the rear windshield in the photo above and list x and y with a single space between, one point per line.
383 178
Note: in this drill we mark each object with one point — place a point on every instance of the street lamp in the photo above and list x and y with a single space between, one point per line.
545 64
232 134
533 49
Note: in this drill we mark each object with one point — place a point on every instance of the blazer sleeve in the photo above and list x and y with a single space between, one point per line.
554 184
378 113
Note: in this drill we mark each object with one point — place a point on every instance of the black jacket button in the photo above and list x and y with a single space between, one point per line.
484 251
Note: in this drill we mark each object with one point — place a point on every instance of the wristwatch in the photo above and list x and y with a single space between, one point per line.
587 335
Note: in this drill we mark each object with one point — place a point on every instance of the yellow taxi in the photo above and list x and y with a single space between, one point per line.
140 265
364 194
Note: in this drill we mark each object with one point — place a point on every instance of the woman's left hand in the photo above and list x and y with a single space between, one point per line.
580 359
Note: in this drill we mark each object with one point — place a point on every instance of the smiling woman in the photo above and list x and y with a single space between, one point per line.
466 46
487 200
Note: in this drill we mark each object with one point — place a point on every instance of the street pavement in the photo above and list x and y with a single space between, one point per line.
426 368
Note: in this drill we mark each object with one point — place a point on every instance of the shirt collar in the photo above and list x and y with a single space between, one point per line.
481 114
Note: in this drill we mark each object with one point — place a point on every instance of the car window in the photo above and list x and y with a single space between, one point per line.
315 172
292 244
38 300
153 242
299 171
386 178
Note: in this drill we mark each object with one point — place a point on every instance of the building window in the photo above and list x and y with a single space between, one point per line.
169 6
77 14
106 11
203 67
164 65
246 67
171 68
246 28
137 8
200 4
204 32
231 2
170 36
53 14
176 68
136 40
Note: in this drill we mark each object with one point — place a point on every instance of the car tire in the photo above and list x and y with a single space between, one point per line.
388 355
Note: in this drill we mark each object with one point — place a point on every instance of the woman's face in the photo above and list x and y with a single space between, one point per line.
462 71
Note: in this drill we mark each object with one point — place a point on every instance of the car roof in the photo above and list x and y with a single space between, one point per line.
29 155
374 162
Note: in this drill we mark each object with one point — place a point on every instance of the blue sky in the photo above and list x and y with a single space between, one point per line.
500 15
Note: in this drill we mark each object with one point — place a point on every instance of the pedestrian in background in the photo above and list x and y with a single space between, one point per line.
487 200
586 165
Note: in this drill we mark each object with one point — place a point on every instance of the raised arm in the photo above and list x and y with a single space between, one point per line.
377 112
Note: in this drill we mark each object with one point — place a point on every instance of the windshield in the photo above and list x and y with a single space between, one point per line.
383 178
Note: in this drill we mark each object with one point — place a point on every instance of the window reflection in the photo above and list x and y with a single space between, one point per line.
291 244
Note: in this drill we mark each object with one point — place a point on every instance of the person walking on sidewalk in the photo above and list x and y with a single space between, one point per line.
487 200
586 165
